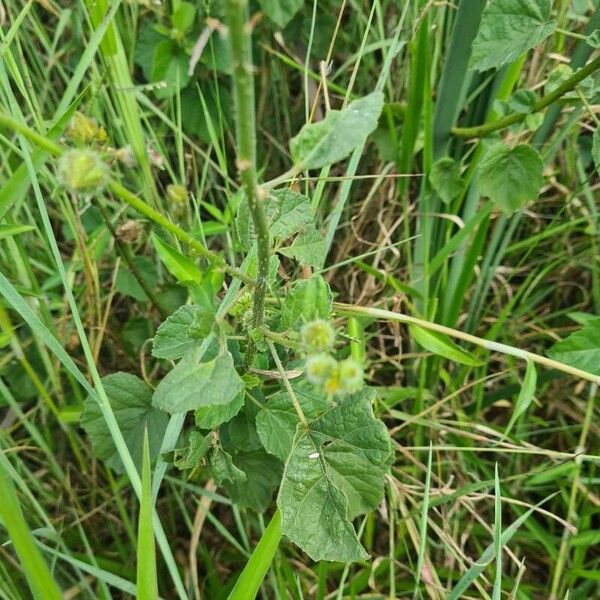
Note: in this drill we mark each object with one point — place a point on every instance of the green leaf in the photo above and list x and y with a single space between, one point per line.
181 267
596 149
445 179
511 176
338 134
192 384
581 349
308 248
209 417
291 213
263 474
276 422
525 396
170 65
307 300
223 469
191 452
334 472
147 583
508 29
172 339
131 402
443 346
183 17
281 12
7 230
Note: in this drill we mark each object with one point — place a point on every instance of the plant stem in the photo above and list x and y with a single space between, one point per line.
516 117
130 198
243 88
288 387
387 315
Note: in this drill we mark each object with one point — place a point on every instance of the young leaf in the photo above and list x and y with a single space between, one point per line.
581 349
308 248
525 396
443 346
508 28
181 267
281 12
445 179
510 176
307 300
338 134
190 453
192 384
209 417
172 339
334 472
183 17
131 401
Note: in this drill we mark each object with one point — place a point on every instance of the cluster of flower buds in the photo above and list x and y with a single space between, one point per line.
322 369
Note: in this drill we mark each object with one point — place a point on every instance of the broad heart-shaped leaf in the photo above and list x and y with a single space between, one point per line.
287 213
581 349
308 248
443 346
445 179
172 339
131 401
334 472
276 422
510 176
508 28
307 300
338 134
596 149
192 384
281 12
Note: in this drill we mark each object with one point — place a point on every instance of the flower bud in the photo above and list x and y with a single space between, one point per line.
82 171
320 367
351 375
176 193
83 130
317 336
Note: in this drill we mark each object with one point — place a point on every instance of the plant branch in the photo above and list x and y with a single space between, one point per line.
132 200
243 87
516 117
388 315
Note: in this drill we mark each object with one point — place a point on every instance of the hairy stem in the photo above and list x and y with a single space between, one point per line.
132 200
516 117
243 87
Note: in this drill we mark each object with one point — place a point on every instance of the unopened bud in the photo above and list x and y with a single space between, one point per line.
82 171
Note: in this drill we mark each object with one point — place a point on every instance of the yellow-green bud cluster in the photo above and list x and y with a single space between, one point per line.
82 171
322 369
317 336
83 130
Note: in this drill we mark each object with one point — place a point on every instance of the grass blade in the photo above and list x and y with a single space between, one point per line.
36 570
147 583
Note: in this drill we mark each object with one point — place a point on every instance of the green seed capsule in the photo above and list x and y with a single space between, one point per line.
82 171
320 367
351 376
84 130
176 193
317 336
